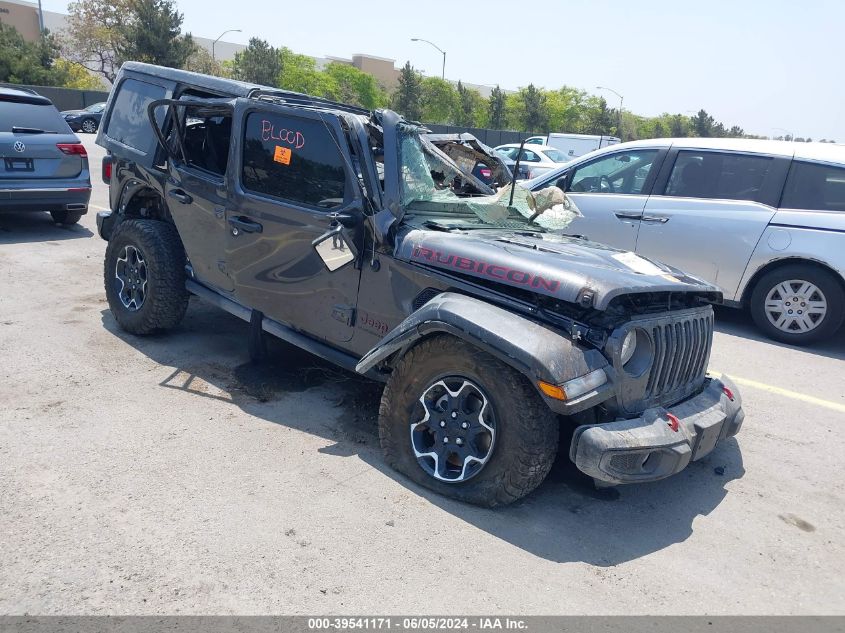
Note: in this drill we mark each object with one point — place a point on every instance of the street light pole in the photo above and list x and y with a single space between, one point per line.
419 39
621 101
214 43
40 18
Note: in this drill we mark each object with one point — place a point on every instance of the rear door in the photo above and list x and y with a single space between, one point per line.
200 134
611 191
293 183
709 210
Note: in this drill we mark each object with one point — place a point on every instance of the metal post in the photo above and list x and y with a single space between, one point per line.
40 18
621 102
443 71
214 43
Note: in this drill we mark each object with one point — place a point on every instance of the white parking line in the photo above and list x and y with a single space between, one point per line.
795 395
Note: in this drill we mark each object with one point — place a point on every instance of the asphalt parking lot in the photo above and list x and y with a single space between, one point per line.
169 475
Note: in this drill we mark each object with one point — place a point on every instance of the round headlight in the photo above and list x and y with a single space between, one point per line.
629 346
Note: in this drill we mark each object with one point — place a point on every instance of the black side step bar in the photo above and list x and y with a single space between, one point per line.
277 329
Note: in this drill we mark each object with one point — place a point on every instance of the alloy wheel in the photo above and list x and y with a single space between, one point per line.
131 276
795 306
89 127
456 435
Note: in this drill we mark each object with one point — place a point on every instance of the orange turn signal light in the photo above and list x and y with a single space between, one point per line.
552 391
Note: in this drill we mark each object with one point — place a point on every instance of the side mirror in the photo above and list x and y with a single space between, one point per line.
334 248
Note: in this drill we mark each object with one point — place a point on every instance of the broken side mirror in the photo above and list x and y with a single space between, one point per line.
335 248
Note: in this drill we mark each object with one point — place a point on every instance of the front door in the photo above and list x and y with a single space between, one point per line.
291 187
611 192
709 215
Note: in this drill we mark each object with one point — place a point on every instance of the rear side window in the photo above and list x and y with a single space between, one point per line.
814 186
293 159
28 115
128 122
716 175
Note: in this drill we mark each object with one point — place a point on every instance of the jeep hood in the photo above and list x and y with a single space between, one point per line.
566 268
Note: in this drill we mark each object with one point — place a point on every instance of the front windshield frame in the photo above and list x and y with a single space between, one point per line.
435 189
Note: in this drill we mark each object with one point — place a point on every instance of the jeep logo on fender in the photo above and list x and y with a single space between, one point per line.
480 268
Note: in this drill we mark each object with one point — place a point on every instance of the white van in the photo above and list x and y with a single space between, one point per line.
573 145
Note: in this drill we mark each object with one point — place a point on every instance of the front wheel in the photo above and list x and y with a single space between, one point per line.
144 275
798 304
462 423
89 126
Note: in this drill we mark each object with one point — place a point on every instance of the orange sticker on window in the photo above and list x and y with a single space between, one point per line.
282 155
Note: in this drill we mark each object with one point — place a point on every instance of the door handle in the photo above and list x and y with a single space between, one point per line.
628 215
244 225
181 196
655 219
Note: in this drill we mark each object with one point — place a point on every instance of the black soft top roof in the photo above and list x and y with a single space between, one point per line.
236 88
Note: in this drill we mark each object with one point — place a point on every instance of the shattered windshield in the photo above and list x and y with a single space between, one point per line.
435 187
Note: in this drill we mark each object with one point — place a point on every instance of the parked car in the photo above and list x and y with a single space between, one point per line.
87 120
45 166
537 160
573 145
763 220
344 232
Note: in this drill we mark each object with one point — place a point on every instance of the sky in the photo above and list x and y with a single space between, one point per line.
765 65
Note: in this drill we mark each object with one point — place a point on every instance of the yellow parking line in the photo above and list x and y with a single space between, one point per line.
745 382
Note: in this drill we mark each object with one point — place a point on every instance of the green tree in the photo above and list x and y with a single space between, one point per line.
300 74
534 113
154 34
703 123
736 132
407 99
96 30
568 110
470 108
599 119
77 76
201 61
348 84
496 109
258 63
23 62
439 100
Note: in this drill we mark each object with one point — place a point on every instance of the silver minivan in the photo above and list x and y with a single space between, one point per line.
43 165
763 220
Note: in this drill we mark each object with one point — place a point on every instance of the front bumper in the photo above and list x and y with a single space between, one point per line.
653 446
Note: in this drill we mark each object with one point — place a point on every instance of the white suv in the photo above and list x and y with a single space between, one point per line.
763 220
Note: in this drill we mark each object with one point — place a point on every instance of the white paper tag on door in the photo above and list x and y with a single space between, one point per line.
637 264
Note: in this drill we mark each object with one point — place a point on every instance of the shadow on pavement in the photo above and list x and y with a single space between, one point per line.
566 519
739 323
24 228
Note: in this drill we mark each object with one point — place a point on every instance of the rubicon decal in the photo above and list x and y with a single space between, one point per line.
478 268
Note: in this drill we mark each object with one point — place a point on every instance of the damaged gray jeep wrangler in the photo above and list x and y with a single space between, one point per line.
357 237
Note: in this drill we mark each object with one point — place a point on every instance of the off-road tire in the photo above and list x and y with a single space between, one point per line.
526 430
66 217
166 299
823 280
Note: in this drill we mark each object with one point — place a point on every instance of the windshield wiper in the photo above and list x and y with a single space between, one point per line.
31 130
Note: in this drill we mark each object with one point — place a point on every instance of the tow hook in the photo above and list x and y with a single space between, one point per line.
674 423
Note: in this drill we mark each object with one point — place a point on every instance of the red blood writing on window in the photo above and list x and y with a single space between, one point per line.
270 132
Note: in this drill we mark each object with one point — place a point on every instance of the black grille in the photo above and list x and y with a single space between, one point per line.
681 352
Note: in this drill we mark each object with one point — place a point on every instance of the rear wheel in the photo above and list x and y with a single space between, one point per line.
144 276
89 126
798 304
66 217
458 421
